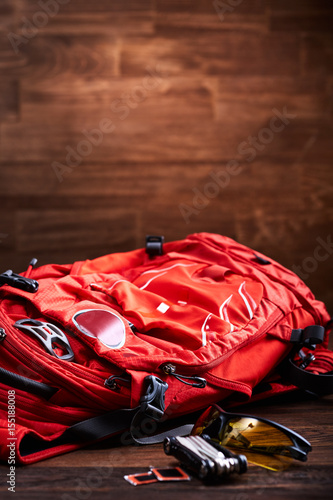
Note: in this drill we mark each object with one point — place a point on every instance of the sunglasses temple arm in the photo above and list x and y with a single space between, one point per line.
298 454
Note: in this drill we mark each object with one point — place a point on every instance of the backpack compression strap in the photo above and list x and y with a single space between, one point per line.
319 378
317 383
141 424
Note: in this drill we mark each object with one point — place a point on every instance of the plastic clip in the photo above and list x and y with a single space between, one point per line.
306 359
308 337
152 403
154 245
18 281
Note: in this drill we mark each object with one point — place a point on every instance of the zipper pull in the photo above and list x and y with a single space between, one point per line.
31 265
170 369
2 334
113 382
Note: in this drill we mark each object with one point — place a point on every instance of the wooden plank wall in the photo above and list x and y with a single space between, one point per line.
121 118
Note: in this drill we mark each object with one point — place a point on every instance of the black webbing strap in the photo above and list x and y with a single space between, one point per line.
85 432
140 424
26 384
317 383
145 430
320 384
182 430
103 426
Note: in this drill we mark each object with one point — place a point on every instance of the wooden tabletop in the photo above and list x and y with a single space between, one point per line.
98 471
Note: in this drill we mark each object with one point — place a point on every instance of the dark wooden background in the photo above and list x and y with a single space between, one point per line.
220 77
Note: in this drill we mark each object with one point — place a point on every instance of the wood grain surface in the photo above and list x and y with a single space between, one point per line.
114 115
98 471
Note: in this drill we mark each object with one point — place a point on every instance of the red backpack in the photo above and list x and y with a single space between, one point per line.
124 344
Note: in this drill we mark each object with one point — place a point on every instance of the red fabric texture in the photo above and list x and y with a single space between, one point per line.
207 306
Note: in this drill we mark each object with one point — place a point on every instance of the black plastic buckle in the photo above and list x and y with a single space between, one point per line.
308 337
306 359
154 245
153 402
18 281
261 260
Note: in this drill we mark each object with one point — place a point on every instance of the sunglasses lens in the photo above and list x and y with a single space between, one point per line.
261 443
